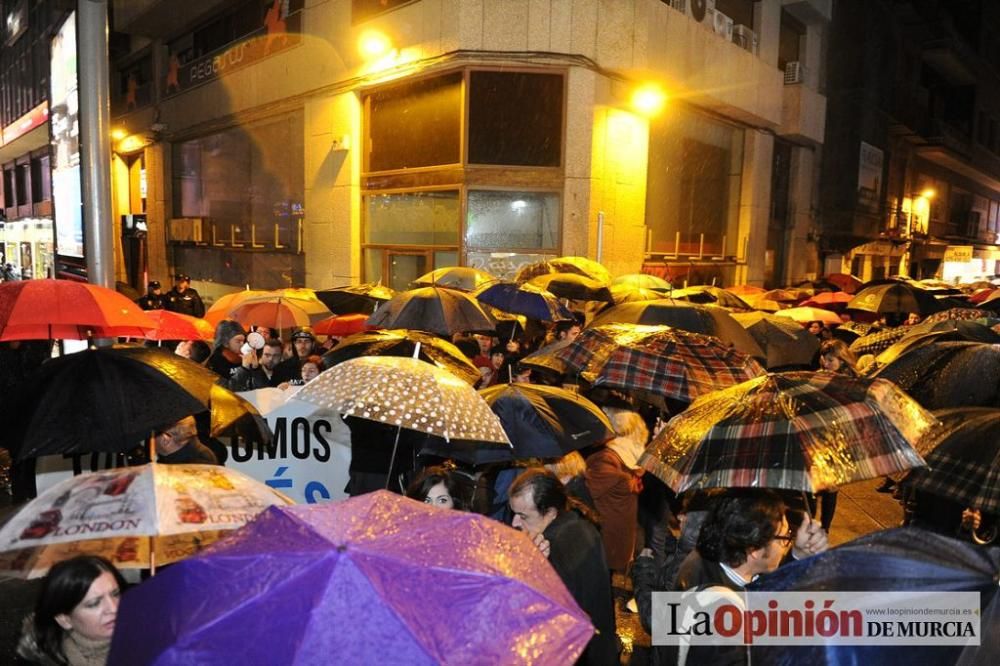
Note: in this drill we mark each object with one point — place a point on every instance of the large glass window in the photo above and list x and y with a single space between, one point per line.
522 220
247 182
515 118
692 195
416 124
412 218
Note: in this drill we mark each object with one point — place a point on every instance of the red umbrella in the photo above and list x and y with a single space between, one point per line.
846 282
177 326
63 309
342 326
828 298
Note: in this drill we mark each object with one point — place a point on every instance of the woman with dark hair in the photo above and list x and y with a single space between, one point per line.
438 487
74 617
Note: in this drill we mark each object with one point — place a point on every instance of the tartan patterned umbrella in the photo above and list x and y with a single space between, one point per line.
803 431
661 361
964 465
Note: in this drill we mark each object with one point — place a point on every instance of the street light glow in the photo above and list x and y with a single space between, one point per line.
648 99
118 134
374 44
929 193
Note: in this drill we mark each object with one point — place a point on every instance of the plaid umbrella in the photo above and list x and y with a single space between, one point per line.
804 431
875 343
659 360
964 464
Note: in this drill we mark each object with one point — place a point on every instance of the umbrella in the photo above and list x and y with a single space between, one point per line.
894 297
803 431
984 293
581 266
828 299
47 309
225 304
944 374
957 313
790 296
709 295
846 282
273 314
661 361
964 463
849 331
624 293
573 286
901 560
463 278
547 359
111 400
879 341
525 299
973 330
177 326
545 421
408 393
341 326
641 281
400 342
146 501
707 320
766 304
374 577
805 314
434 309
784 342
359 298
745 290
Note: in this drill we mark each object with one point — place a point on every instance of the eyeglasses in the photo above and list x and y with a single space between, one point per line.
786 539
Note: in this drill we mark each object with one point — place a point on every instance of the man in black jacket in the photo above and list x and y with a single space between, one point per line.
540 506
183 299
153 300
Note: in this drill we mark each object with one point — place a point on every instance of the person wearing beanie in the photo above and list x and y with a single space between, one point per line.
227 356
303 346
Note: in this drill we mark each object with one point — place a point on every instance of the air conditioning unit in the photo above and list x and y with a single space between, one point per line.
187 229
745 38
722 25
701 11
795 72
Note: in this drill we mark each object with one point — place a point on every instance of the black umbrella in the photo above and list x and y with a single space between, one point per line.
948 374
547 360
895 297
784 341
704 319
964 465
112 399
900 560
958 329
709 295
401 342
434 309
545 421
573 286
362 298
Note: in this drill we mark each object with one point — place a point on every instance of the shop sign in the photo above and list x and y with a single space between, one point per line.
960 253
37 117
280 31
881 249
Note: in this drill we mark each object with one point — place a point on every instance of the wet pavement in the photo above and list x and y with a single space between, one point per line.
860 510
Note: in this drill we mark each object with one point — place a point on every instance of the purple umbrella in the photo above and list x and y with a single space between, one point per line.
374 578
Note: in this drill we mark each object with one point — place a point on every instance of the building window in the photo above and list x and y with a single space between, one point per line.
416 124
515 118
790 37
741 11
247 183
693 184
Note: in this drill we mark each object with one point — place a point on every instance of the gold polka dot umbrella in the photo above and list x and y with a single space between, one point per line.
408 393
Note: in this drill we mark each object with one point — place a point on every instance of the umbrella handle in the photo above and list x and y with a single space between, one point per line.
392 460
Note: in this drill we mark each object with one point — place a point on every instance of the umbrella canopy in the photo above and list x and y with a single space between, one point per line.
845 281
275 314
547 359
803 431
525 299
805 314
879 340
984 293
177 326
901 560
434 309
659 361
784 341
828 299
573 286
958 313
48 309
894 297
581 266
341 325
545 421
641 281
763 304
359 298
400 342
944 374
707 320
225 304
973 330
375 575
964 463
149 500
709 295
463 278
623 293
109 400
789 296
411 394
745 290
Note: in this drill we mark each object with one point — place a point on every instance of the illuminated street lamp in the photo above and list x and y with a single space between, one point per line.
648 99
374 44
